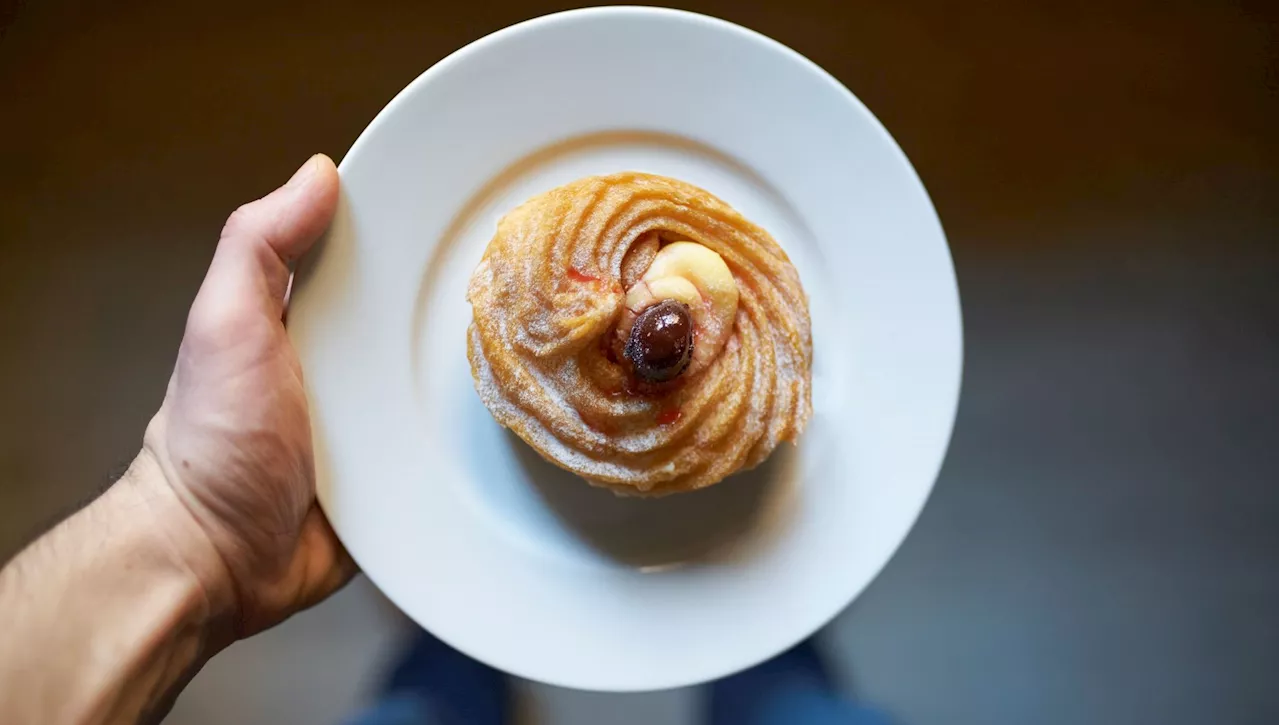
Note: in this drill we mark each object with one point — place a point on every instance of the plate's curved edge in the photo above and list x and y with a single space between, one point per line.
479 46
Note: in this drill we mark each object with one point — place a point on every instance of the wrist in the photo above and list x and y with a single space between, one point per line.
172 532
109 613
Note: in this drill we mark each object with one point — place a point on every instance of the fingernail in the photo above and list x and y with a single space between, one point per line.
303 173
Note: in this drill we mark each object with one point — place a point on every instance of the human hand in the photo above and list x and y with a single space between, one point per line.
232 439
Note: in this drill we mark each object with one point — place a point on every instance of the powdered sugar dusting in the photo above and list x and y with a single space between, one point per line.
550 291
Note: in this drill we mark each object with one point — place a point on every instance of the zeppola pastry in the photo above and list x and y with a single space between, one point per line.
639 332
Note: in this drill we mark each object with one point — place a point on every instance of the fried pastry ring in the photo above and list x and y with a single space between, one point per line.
639 332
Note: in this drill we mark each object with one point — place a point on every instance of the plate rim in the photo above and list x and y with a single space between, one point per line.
479 46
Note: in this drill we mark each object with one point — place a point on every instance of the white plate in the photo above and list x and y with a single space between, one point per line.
517 563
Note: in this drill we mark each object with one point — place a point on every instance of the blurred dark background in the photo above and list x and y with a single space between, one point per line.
1098 547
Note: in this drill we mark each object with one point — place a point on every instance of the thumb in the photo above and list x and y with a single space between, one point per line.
250 269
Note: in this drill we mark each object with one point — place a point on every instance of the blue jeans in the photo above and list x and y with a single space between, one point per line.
797 708
435 685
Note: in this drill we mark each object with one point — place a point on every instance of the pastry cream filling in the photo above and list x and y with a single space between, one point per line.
693 274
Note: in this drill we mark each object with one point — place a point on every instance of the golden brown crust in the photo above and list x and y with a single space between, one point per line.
546 298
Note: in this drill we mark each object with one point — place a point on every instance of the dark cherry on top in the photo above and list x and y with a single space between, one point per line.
661 342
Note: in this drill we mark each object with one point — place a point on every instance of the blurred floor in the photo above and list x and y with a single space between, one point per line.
1097 549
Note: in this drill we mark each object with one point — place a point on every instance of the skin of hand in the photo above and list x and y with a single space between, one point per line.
213 533
232 438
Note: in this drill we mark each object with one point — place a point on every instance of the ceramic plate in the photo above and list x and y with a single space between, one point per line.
506 557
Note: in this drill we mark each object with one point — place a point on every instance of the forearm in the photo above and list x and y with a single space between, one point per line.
107 615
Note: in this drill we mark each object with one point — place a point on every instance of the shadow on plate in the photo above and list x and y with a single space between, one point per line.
724 522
